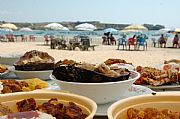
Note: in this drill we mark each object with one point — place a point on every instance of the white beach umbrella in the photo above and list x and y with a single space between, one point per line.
85 27
65 29
111 30
25 29
135 28
164 30
175 30
9 26
54 26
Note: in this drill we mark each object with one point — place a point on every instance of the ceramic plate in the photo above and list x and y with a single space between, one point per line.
87 105
122 65
135 90
44 75
164 87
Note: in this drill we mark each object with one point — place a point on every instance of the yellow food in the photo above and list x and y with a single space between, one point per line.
35 83
2 68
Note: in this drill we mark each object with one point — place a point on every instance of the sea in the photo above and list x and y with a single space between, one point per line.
97 33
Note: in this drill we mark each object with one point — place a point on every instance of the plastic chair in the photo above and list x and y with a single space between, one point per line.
123 42
142 42
132 41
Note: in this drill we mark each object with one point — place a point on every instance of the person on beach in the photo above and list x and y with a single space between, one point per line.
46 39
175 41
23 38
162 40
112 39
104 38
108 38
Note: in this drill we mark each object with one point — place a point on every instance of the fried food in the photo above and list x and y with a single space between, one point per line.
11 86
156 77
114 61
152 113
53 107
3 68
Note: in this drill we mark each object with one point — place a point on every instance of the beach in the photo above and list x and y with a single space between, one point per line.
153 57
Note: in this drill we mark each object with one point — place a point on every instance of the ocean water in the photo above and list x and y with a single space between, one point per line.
99 33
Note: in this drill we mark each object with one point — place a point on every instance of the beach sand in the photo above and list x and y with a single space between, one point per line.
153 57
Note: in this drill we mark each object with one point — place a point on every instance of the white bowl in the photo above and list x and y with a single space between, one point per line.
162 100
101 93
31 74
87 105
9 59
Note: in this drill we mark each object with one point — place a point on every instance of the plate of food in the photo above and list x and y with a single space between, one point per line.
160 105
46 105
44 75
158 79
94 81
34 64
134 90
13 86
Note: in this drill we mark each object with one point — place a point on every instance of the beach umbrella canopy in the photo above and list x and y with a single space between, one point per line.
54 26
65 29
133 31
111 30
25 29
175 30
85 27
135 28
164 30
9 26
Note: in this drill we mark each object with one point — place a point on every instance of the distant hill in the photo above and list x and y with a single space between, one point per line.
71 25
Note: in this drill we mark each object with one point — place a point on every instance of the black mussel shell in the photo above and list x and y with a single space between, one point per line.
35 67
72 73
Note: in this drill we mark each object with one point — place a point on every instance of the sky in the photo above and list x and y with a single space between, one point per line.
164 12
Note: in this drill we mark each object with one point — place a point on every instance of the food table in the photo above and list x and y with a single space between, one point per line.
54 86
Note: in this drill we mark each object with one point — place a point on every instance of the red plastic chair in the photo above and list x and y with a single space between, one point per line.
132 41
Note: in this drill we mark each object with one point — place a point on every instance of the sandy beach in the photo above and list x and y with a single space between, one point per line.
152 57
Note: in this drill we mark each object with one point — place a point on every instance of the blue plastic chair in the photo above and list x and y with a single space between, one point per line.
142 42
122 41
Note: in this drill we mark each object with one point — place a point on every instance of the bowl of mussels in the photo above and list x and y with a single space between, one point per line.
101 82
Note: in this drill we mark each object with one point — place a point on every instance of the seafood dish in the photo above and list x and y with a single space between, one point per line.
72 71
152 113
172 65
11 86
35 61
114 61
28 108
156 77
